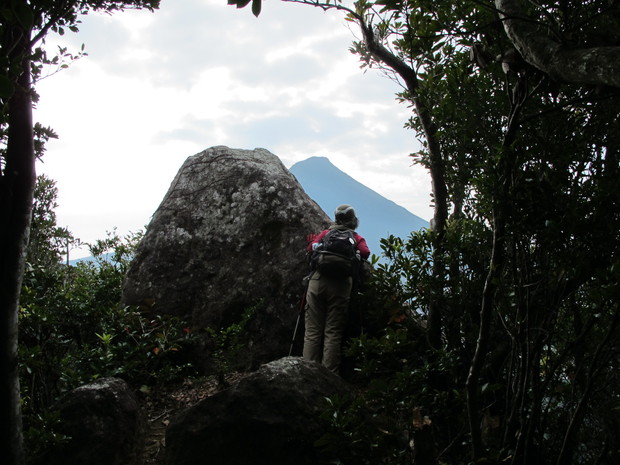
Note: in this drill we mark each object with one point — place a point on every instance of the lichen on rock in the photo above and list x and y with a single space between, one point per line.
230 233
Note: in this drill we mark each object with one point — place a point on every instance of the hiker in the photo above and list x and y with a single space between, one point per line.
329 287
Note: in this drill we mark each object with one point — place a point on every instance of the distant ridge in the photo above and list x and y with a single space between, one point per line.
379 217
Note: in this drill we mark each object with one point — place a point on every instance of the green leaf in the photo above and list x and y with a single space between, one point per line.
256 6
239 3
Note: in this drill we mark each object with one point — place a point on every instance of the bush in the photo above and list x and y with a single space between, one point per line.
73 329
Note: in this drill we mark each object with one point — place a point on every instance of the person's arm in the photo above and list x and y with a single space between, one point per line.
314 239
362 246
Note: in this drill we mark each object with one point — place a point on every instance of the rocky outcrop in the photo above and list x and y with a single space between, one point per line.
272 416
229 235
102 425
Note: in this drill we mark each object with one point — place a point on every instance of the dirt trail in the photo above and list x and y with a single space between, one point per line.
160 405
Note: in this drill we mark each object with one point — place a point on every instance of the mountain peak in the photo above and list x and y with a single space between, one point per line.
379 217
316 160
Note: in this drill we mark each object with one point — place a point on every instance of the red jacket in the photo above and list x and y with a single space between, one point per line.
361 245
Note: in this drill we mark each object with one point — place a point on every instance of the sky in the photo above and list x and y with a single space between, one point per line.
159 87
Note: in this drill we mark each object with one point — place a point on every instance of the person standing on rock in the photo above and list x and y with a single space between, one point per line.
336 255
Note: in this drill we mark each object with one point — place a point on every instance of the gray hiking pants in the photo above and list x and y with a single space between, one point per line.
327 302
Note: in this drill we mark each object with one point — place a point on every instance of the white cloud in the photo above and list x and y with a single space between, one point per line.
157 88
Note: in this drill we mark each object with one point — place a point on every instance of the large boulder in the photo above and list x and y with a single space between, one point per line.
102 424
229 235
272 416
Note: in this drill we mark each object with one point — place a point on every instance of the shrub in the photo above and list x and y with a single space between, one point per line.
73 329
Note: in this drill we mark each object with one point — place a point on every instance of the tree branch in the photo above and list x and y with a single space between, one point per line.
585 66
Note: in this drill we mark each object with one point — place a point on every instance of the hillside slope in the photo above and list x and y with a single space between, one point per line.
379 217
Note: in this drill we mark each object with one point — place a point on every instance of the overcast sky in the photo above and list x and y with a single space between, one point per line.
159 87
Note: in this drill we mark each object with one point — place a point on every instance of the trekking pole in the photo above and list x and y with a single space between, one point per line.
290 351
302 304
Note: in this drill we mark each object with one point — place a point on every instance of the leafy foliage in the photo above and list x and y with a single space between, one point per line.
519 277
24 25
227 344
74 329
48 242
522 277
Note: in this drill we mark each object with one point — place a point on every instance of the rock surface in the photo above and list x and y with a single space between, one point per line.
272 416
103 424
230 234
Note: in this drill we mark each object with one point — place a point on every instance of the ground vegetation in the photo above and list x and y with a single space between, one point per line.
515 105
491 337
24 26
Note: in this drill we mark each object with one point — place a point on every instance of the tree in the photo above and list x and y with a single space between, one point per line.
48 242
23 27
518 110
565 55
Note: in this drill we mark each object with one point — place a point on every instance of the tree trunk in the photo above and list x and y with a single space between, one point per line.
589 66
16 196
440 217
486 312
501 212
437 171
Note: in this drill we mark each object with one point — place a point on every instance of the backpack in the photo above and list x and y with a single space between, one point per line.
336 255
